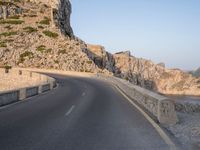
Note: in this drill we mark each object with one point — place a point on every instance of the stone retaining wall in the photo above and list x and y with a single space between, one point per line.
40 83
162 108
187 107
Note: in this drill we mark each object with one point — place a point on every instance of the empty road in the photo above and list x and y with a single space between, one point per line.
81 114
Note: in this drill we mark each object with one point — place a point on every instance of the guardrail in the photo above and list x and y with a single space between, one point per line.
46 83
162 108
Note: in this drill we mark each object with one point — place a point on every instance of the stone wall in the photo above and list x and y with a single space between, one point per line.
162 108
20 92
188 107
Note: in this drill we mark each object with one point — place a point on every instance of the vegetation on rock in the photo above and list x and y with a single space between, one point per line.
50 34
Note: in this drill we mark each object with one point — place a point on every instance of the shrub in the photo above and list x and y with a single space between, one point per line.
45 21
56 61
50 34
41 48
23 55
14 17
30 29
8 33
89 62
7 68
8 40
8 27
21 60
40 27
61 51
3 44
26 54
126 78
11 21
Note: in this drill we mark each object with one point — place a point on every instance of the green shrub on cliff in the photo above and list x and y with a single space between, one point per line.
8 33
41 48
30 29
11 22
3 44
45 21
50 34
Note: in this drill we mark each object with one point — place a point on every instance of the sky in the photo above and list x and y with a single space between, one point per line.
159 30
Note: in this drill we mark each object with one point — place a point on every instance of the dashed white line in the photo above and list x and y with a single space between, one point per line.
70 110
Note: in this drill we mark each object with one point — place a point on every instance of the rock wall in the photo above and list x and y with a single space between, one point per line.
7 9
145 73
160 107
60 13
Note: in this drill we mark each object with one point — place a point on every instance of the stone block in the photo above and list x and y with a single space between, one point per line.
22 94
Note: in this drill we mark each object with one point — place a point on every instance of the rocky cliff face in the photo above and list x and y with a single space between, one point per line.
59 14
29 39
145 73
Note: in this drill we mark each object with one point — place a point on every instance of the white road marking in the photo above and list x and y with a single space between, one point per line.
70 110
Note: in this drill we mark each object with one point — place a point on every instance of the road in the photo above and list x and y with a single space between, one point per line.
81 114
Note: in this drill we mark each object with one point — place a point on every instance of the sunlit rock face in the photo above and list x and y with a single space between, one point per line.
61 12
145 73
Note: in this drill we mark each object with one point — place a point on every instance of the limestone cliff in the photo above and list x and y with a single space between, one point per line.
145 73
59 14
28 38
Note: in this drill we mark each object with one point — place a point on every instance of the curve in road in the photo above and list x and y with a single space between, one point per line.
81 114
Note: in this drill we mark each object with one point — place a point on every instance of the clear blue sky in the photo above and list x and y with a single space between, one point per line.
161 30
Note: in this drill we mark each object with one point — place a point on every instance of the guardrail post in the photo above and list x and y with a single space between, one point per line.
39 89
51 85
22 94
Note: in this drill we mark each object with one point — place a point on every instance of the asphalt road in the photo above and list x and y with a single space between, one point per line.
81 114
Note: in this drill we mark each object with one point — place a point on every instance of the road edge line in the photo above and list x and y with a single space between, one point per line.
161 132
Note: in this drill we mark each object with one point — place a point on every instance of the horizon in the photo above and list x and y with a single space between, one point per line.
147 29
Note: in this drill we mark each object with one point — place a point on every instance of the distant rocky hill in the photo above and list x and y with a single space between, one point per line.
37 33
145 73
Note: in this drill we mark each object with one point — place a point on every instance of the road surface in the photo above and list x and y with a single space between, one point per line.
81 114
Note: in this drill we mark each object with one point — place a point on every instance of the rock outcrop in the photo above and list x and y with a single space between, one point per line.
145 73
28 39
60 12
